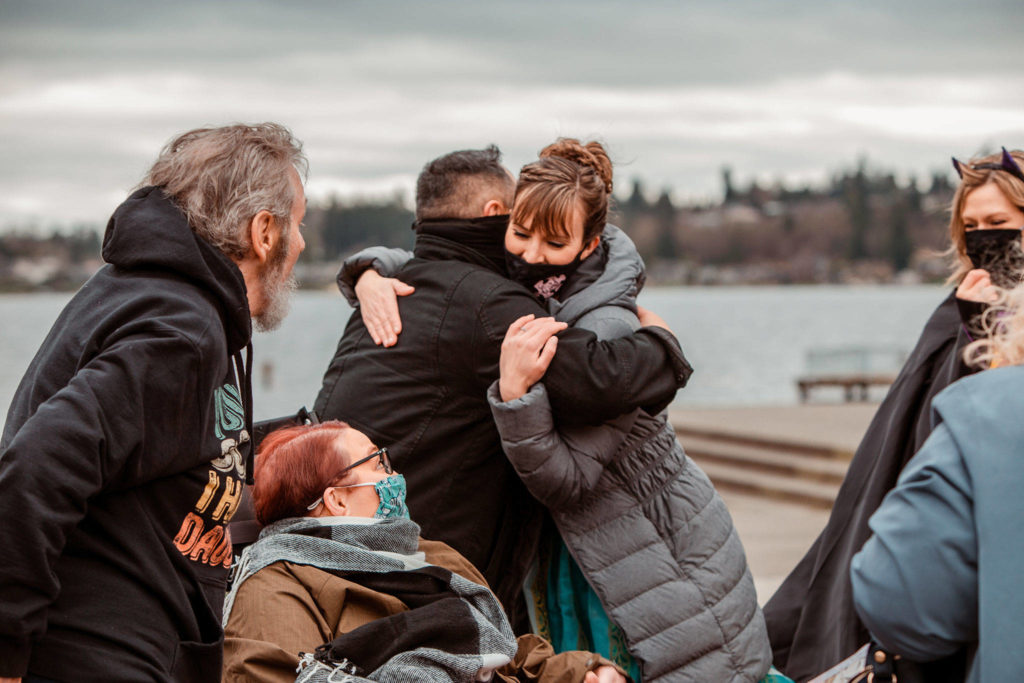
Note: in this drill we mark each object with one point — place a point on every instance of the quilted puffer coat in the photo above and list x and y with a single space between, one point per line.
641 519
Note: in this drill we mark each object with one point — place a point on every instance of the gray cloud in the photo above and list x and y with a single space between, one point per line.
90 91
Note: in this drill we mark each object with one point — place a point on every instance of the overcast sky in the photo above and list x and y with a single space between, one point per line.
90 91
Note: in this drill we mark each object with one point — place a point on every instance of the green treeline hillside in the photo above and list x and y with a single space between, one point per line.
862 226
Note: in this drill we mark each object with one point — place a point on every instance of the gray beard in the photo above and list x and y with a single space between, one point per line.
277 292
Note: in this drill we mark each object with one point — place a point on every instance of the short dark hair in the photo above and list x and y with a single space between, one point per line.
449 186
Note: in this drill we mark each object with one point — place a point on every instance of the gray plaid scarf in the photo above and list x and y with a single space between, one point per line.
349 544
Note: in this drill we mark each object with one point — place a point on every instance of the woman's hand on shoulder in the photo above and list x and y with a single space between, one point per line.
977 286
526 353
649 318
604 674
378 305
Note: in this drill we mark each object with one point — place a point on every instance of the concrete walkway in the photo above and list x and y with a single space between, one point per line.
775 533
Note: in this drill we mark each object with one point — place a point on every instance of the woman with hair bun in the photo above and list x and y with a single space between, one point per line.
811 617
646 567
646 558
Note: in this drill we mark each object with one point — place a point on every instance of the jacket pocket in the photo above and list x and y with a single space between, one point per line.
195 662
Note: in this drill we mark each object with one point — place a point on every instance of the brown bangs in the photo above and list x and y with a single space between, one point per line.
551 208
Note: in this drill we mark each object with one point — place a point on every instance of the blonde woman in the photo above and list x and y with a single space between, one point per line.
941 574
811 619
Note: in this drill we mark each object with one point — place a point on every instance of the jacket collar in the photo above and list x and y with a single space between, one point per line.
612 275
480 241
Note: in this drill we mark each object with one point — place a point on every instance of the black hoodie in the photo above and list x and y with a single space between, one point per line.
122 460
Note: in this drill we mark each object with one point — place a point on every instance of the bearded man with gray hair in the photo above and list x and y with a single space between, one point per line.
126 446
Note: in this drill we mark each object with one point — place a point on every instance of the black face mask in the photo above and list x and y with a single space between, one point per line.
998 252
542 279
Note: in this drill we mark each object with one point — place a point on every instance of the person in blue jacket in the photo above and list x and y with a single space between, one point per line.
941 574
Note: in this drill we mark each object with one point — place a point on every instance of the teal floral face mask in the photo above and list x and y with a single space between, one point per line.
392 498
390 490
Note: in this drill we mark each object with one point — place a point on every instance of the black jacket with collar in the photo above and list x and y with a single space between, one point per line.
426 399
120 464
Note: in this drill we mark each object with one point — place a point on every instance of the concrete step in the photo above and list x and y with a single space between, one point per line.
771 459
775 486
797 454
765 442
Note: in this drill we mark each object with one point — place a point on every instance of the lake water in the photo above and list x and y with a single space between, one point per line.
747 344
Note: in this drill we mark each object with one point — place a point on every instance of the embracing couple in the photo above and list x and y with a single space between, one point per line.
521 391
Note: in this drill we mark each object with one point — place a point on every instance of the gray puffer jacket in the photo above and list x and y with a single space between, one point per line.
642 521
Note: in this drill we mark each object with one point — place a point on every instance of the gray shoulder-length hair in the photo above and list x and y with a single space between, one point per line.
222 177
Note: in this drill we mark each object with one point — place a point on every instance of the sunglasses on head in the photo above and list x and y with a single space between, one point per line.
1006 163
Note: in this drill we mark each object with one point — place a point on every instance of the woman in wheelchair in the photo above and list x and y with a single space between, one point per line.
340 586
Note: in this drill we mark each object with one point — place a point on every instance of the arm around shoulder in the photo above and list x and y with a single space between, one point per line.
386 261
591 381
556 468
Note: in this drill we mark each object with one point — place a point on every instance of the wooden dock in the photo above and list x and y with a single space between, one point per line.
855 386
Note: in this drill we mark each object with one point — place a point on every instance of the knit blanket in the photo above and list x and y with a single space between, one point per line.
454 630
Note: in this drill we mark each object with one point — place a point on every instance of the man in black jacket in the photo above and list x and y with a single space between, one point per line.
425 397
124 451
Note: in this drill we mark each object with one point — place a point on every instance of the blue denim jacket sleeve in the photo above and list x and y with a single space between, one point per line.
915 581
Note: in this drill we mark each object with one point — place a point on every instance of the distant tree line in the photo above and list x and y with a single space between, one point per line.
801 234
57 260
861 219
341 227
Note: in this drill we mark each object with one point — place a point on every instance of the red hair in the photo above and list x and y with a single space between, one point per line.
293 467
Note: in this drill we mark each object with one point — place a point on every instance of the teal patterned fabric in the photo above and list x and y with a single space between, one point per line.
776 676
568 612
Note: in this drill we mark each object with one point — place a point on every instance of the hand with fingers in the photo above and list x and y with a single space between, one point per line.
526 353
977 286
378 305
604 674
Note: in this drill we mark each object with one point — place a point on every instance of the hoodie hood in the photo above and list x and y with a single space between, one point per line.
149 232
617 282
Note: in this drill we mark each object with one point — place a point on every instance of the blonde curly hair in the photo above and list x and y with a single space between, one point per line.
1002 330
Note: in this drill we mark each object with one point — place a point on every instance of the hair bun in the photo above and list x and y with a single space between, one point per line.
592 155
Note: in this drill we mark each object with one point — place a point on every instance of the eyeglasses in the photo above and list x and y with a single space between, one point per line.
383 463
1006 163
